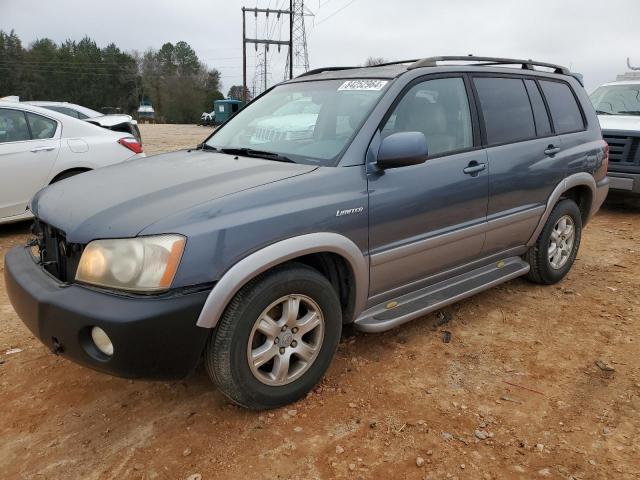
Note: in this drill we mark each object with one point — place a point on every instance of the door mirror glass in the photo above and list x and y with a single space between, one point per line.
402 149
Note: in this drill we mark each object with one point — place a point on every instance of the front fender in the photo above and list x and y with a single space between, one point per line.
277 253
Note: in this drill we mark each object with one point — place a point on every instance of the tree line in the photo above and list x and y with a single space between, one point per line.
173 79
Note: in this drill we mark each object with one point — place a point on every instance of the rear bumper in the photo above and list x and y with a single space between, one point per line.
628 183
602 189
153 337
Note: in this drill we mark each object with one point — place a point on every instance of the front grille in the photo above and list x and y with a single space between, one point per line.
624 150
57 256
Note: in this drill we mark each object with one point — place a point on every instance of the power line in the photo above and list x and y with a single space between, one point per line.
334 13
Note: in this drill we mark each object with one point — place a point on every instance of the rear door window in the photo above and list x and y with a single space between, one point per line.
41 127
13 126
506 109
565 111
543 127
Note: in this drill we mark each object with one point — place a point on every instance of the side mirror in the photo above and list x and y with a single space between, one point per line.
402 149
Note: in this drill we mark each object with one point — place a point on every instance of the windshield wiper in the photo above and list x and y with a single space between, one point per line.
602 112
629 112
204 146
250 152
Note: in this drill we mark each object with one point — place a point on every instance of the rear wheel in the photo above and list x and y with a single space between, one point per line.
276 339
554 252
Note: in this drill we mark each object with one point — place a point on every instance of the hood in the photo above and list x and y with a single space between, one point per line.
625 123
121 200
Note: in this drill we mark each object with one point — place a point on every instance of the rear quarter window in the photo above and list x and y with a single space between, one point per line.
41 127
565 112
506 109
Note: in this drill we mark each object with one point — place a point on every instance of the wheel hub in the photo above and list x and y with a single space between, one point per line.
285 340
561 242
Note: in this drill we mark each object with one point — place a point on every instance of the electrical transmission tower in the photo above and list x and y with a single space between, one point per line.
300 55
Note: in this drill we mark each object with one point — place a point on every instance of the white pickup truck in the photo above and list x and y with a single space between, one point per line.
618 107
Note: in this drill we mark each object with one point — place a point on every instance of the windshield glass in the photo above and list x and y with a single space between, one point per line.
306 122
617 100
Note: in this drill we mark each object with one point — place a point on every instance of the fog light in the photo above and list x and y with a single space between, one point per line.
102 341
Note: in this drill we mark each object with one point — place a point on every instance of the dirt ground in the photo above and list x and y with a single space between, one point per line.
515 394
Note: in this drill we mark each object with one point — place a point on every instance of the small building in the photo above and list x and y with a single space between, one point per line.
225 109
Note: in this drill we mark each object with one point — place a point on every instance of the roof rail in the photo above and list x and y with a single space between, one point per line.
526 64
334 69
324 69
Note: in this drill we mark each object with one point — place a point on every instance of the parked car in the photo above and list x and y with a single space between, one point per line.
116 121
39 147
618 108
449 180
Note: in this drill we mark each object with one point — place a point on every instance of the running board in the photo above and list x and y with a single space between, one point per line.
416 304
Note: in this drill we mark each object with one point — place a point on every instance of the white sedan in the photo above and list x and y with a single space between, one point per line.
117 122
39 147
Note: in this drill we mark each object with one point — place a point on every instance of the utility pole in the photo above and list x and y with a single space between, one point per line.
264 65
291 39
262 41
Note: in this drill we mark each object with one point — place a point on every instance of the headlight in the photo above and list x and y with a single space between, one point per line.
145 264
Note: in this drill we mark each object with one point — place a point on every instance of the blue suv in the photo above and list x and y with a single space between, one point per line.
396 190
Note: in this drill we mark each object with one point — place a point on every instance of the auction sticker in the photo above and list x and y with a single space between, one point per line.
362 85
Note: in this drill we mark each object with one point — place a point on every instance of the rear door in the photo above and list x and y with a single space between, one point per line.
427 218
524 155
29 146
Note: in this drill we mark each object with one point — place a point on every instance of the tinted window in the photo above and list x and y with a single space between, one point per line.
41 127
439 109
543 127
13 126
562 104
506 109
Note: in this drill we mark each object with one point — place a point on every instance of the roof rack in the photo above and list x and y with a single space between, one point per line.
334 69
526 64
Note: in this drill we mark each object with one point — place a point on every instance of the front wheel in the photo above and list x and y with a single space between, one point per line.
276 339
555 250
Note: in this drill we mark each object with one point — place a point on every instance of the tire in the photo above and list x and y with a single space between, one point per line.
226 355
543 271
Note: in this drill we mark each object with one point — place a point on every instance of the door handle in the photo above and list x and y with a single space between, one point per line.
42 149
552 150
474 168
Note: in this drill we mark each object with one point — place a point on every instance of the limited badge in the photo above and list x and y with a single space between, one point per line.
362 85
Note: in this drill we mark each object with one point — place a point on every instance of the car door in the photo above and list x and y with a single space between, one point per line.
525 159
29 146
427 218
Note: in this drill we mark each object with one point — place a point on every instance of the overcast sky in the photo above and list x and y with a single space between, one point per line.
593 38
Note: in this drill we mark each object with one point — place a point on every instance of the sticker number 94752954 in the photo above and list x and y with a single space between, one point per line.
362 85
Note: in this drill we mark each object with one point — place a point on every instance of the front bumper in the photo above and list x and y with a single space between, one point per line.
153 337
628 183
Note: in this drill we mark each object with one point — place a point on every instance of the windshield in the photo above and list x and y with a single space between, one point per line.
617 100
306 122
